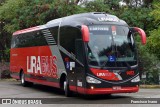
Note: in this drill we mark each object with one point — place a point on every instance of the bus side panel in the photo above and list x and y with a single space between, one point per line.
38 64
14 69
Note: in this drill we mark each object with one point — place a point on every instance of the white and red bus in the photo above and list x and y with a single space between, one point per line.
89 53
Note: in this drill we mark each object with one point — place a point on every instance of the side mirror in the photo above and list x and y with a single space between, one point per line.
85 33
141 33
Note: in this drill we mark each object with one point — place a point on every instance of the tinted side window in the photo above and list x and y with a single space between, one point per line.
67 37
14 42
29 39
34 39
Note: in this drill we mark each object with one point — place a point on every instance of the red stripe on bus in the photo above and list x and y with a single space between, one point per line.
73 88
43 82
27 30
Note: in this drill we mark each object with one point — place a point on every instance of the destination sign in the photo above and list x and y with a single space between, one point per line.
103 19
99 28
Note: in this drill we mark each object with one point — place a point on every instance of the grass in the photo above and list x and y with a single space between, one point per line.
149 86
8 79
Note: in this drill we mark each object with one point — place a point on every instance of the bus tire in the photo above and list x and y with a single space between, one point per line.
67 91
24 83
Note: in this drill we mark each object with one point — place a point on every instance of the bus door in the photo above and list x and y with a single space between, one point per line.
80 68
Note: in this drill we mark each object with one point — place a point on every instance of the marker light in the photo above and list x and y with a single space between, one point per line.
137 79
92 80
92 87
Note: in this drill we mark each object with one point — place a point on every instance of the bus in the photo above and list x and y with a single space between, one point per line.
88 53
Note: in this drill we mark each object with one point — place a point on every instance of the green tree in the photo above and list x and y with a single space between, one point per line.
20 14
97 6
153 41
137 17
150 55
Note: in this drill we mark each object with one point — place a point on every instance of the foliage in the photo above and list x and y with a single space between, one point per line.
156 14
148 64
8 13
153 46
153 43
137 17
20 14
97 6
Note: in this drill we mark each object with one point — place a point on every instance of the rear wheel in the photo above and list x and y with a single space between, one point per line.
67 91
24 82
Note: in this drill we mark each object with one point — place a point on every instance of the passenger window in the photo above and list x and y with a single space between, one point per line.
68 35
29 40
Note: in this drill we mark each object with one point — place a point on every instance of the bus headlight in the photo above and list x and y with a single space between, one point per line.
137 79
92 80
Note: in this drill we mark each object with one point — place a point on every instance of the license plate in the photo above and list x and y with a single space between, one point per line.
116 87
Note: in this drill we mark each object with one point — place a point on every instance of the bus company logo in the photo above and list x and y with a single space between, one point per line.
104 74
42 65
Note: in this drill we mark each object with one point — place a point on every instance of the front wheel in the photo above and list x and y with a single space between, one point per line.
67 91
24 82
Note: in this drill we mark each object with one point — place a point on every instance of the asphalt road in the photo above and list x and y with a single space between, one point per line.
13 89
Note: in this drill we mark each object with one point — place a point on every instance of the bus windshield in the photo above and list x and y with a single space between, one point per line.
111 46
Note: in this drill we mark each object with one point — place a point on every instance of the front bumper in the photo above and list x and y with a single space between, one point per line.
97 91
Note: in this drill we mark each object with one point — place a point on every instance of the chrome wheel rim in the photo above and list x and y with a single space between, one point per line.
64 85
22 78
